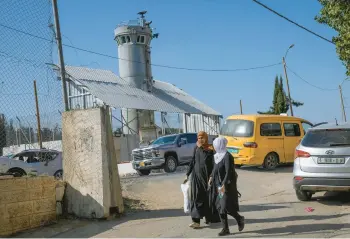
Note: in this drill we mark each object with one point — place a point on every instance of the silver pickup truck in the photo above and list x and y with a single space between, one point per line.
166 153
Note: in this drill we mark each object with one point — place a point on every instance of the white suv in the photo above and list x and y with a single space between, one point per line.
33 161
322 161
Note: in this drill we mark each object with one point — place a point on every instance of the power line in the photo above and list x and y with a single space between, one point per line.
317 87
293 22
156 65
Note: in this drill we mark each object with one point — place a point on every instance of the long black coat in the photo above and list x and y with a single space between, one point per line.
200 169
224 174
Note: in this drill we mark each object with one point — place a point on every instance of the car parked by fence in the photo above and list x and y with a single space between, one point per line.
33 161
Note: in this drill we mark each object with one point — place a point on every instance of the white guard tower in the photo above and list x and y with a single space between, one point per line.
134 40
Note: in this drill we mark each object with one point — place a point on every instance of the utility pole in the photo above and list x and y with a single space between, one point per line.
240 105
342 103
290 99
38 116
60 54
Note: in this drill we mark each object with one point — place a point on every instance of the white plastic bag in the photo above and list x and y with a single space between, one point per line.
185 188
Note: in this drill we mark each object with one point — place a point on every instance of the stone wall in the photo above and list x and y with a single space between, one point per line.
26 203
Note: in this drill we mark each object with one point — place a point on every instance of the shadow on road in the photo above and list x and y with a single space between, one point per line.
283 219
334 199
285 168
303 229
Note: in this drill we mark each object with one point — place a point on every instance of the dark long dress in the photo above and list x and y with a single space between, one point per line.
201 168
225 174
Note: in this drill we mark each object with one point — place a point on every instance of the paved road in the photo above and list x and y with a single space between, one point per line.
268 203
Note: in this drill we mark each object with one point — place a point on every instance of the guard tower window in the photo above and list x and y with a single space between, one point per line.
123 40
128 40
141 39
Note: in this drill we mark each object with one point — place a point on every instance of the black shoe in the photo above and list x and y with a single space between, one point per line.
207 222
224 232
241 224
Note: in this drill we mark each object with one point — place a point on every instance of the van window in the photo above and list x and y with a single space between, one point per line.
270 129
291 129
238 128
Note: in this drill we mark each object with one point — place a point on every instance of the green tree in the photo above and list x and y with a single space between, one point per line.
336 14
280 102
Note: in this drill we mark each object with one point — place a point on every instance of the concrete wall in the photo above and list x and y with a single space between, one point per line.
90 164
124 145
26 202
56 145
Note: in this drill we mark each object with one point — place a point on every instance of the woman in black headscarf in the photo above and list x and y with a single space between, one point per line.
223 181
200 170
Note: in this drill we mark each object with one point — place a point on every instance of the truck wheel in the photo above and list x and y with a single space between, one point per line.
270 161
170 164
144 172
303 195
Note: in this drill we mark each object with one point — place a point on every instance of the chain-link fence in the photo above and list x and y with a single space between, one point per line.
27 52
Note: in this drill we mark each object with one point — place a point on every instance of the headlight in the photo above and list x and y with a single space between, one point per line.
155 153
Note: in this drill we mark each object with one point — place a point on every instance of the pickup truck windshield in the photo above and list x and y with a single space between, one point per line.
165 140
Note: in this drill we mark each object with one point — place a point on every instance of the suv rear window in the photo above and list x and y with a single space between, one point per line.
327 138
238 128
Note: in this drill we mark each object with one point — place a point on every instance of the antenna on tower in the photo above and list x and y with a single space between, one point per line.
142 13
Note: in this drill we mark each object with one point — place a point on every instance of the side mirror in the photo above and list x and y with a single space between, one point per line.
182 142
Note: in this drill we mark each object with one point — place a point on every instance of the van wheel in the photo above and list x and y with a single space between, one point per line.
271 161
303 195
170 164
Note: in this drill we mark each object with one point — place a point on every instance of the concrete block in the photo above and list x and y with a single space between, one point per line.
18 183
35 183
20 223
44 205
11 184
3 212
41 219
5 233
14 196
85 163
48 182
19 209
4 185
42 193
6 225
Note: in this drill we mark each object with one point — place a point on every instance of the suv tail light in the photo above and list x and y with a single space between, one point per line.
250 145
301 154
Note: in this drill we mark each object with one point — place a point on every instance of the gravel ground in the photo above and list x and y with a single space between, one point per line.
155 209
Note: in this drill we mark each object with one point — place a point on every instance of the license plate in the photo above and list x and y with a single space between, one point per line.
142 164
331 160
233 151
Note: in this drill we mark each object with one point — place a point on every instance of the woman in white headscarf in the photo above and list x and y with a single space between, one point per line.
224 180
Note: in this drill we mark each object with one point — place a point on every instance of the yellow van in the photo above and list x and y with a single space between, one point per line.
263 140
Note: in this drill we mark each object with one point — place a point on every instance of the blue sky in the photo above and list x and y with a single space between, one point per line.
219 34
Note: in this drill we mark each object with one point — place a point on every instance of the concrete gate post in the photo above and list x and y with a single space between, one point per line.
90 164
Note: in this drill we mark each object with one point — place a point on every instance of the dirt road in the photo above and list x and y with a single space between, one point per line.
268 202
